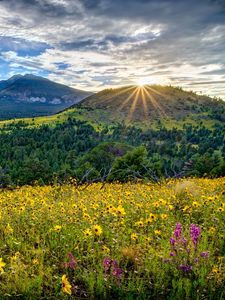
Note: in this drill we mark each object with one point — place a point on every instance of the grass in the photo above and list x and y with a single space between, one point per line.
99 118
113 241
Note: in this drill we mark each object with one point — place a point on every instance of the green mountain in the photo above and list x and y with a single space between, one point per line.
146 107
29 96
121 134
150 104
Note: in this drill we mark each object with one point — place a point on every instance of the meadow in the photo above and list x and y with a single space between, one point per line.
115 241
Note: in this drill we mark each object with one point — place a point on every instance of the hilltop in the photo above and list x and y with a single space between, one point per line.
150 104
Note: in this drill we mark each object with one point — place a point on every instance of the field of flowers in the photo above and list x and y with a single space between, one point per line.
115 241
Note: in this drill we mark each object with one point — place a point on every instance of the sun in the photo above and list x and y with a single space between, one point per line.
145 81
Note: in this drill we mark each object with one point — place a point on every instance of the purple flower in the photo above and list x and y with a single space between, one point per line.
172 241
194 233
106 264
177 231
184 242
115 264
117 272
185 268
72 261
172 254
204 254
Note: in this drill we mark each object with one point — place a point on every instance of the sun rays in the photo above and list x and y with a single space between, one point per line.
142 99
141 103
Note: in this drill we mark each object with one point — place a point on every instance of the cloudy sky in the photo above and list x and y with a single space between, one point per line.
93 44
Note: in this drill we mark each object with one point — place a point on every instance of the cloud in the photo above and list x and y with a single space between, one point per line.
95 43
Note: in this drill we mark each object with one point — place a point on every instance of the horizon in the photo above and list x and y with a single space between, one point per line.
103 44
138 86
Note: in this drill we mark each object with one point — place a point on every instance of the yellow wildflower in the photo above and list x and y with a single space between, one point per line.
8 229
66 286
157 232
57 228
87 232
139 224
97 230
195 204
2 265
35 261
164 216
120 211
105 249
134 236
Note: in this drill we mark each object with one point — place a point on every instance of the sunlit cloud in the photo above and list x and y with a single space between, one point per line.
105 43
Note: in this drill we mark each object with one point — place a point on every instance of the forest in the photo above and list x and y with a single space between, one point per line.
75 149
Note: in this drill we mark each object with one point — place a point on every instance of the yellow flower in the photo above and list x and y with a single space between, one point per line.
97 230
164 216
212 230
215 270
2 265
157 232
152 217
87 232
220 209
147 239
170 207
14 258
120 211
8 229
57 228
35 261
195 204
134 236
66 286
139 224
22 209
105 249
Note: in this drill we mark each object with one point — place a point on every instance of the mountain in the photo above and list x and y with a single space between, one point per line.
150 104
6 83
30 95
174 133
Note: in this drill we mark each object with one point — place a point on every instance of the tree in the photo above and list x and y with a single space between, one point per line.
131 166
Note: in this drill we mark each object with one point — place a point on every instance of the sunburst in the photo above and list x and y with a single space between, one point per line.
142 95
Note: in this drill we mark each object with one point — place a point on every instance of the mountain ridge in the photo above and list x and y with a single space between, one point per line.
30 95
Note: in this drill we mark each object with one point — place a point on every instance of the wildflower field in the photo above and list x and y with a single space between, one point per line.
115 241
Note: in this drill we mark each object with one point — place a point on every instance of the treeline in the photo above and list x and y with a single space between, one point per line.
75 149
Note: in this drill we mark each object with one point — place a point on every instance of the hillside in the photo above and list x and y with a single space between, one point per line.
105 138
166 106
150 104
29 96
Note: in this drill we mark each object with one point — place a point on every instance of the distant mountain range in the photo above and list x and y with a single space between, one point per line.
29 95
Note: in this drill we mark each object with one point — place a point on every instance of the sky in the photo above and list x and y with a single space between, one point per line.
96 44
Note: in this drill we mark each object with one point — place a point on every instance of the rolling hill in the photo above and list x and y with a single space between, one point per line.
146 107
173 133
150 104
29 96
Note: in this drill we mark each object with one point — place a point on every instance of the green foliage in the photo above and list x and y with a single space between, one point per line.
76 149
131 166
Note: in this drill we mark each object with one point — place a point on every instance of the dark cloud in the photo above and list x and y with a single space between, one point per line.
215 72
22 46
207 82
146 37
44 8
